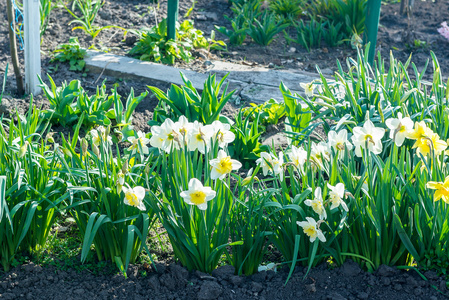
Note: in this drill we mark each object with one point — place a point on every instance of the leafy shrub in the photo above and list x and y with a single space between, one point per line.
263 31
269 112
70 101
186 101
153 46
308 34
239 28
289 9
247 146
71 53
31 190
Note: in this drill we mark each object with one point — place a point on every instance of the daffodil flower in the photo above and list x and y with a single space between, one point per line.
367 136
311 229
98 135
137 143
419 131
199 137
317 204
197 194
433 142
336 195
165 137
298 156
269 162
339 141
120 181
442 189
399 128
319 153
223 165
308 88
222 133
134 196
183 127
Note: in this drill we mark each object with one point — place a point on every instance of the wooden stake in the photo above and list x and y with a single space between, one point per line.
32 45
13 47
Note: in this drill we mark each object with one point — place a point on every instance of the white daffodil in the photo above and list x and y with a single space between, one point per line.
199 137
139 142
317 204
183 127
298 156
197 194
399 128
120 181
336 195
368 135
98 135
222 133
319 153
166 136
134 196
311 229
269 162
339 141
223 165
308 88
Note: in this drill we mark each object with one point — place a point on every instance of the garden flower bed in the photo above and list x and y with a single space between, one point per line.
166 192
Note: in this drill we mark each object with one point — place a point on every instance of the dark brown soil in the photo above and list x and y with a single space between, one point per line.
172 281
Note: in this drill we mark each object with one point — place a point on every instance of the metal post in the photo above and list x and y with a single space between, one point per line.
31 22
172 18
372 26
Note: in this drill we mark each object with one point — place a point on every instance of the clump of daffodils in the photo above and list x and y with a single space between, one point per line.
426 140
197 194
196 136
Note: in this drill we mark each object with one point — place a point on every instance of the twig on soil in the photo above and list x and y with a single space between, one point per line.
102 71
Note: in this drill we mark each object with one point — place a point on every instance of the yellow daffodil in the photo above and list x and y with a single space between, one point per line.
431 142
442 189
419 131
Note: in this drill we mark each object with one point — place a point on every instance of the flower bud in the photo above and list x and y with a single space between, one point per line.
96 150
147 169
67 152
49 138
125 167
84 146
247 180
23 150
